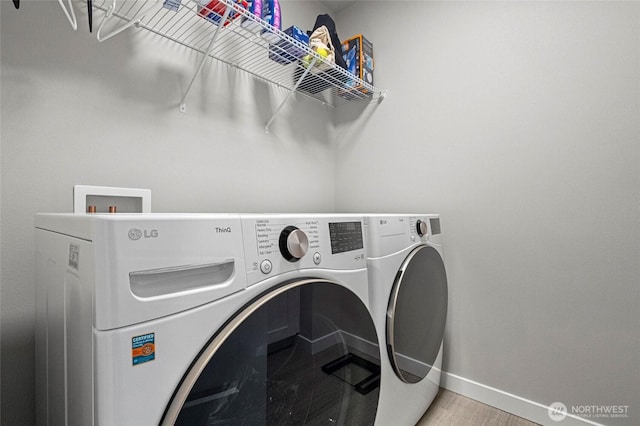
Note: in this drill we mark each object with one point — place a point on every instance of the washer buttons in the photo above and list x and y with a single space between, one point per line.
317 258
265 266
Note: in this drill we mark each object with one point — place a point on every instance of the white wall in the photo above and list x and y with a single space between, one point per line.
519 123
75 111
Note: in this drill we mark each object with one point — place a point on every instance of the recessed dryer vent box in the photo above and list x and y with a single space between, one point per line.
104 199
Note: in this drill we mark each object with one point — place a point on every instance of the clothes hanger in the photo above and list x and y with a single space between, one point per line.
89 13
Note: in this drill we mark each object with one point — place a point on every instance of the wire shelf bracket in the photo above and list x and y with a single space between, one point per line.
291 92
69 13
109 15
183 105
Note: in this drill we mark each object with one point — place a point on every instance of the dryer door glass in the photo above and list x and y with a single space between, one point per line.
288 357
416 314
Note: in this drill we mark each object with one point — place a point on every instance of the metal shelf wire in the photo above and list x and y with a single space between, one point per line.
237 46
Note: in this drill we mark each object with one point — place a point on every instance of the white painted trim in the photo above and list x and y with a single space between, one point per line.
361 345
505 401
321 343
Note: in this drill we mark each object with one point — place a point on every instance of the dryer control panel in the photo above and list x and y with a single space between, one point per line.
388 234
275 244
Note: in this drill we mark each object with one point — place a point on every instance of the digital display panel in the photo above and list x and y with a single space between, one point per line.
435 226
345 236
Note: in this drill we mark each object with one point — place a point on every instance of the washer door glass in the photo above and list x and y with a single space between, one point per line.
416 314
286 358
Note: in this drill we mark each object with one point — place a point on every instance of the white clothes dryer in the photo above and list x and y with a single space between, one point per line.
408 298
180 319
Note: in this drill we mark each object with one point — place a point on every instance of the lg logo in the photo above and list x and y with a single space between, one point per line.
136 233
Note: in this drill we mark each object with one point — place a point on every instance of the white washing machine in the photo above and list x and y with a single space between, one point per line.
147 319
408 298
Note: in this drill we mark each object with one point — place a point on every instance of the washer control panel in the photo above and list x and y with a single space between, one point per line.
274 235
275 244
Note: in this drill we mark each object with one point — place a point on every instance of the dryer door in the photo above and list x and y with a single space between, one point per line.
316 376
416 314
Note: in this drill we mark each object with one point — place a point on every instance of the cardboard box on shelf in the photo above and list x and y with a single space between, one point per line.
358 54
284 51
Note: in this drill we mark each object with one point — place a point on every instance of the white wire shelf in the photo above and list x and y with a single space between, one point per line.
237 46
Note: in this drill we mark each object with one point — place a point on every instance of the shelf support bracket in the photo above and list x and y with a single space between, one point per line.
304 74
70 14
109 14
183 105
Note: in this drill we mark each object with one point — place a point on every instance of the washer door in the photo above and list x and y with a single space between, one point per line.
416 314
253 372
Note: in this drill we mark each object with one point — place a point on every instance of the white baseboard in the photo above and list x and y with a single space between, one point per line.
510 403
320 344
361 345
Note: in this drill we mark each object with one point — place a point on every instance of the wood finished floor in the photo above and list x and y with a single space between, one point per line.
452 409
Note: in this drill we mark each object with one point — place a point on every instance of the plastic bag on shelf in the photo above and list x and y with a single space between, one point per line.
320 43
324 75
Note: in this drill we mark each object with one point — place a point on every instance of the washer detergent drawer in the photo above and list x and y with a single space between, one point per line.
150 267
164 281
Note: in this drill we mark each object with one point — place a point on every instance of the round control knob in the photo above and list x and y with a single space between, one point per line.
293 243
421 227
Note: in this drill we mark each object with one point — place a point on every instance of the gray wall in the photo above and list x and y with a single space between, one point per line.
519 123
75 111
